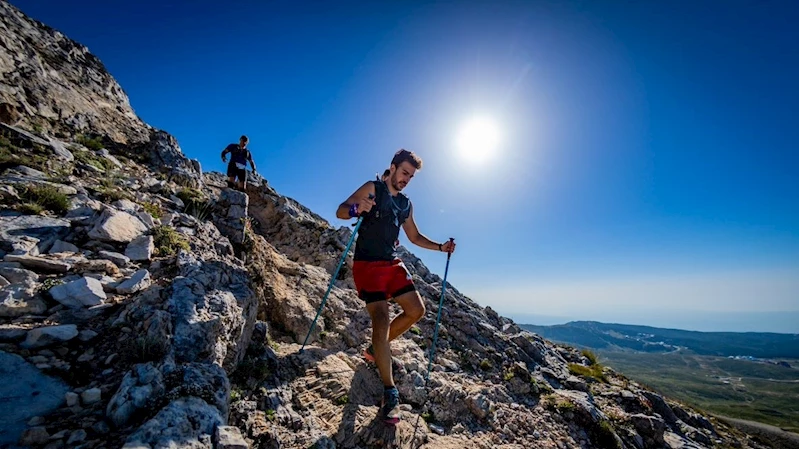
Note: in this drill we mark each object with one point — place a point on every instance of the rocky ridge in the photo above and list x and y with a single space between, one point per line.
149 306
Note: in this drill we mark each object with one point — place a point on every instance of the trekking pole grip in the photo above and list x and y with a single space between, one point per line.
362 214
449 253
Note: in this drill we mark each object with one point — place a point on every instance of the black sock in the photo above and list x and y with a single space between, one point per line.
385 388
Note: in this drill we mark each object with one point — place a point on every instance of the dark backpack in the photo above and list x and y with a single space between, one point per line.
399 206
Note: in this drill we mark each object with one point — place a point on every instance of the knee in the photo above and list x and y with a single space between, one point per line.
417 311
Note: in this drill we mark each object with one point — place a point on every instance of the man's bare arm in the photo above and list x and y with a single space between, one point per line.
252 164
360 197
416 237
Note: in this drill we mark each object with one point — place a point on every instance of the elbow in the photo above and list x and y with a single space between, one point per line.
342 212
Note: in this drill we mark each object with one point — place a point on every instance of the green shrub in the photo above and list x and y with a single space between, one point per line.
92 143
235 395
189 195
592 372
11 156
152 208
89 158
111 195
146 349
49 283
168 241
565 405
46 196
30 208
541 387
110 182
200 210
590 356
341 400
554 402
605 436
253 367
416 331
486 365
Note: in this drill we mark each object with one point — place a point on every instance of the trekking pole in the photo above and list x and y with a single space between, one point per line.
438 318
333 278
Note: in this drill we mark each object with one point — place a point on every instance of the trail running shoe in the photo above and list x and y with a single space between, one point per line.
369 355
389 408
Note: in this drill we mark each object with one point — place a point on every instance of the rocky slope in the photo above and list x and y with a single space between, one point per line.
144 305
55 84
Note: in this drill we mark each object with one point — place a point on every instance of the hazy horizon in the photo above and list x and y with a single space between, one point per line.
771 322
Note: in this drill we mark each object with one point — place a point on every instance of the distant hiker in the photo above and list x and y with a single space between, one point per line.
237 168
379 274
385 175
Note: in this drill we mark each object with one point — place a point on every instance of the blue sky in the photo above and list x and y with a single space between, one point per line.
647 171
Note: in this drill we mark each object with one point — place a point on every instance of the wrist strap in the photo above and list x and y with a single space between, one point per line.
439 247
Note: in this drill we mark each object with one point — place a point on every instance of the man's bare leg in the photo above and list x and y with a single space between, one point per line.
378 310
412 311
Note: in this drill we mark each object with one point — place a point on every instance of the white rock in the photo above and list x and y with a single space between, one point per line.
117 226
141 249
169 218
85 291
106 154
38 262
60 149
86 335
120 260
138 282
61 246
36 421
91 396
18 232
146 218
44 336
18 275
126 205
76 437
236 212
229 437
18 300
71 398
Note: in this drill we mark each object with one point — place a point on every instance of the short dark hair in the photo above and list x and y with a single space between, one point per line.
404 155
244 138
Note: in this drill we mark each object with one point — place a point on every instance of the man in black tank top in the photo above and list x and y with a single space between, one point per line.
379 274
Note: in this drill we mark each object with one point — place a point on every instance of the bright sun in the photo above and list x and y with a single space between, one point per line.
478 139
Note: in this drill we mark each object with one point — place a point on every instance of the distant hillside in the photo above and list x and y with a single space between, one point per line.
624 337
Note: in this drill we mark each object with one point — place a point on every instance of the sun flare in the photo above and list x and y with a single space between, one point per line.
478 139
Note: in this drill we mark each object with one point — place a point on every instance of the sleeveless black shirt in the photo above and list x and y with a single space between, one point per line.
380 227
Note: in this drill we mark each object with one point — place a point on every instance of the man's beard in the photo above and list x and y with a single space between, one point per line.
397 186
